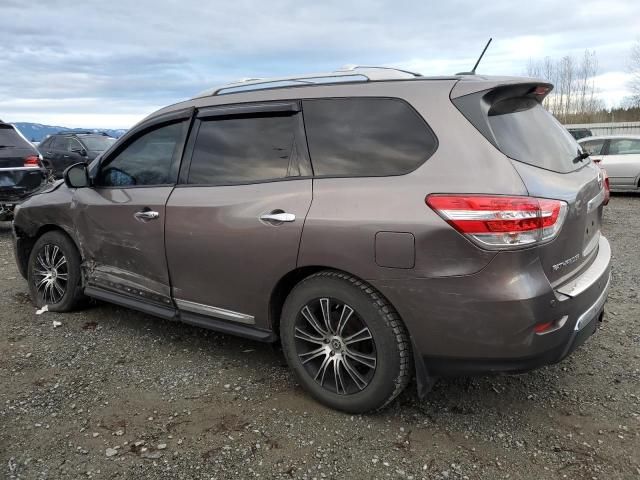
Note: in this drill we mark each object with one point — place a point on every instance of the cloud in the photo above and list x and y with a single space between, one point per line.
108 59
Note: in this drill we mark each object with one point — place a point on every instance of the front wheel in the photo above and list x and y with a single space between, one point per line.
345 343
54 273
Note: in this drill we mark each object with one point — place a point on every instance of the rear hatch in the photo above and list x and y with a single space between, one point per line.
548 159
21 171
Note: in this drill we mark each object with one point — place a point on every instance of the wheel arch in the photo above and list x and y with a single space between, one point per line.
25 243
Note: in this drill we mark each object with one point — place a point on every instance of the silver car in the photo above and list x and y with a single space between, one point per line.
619 155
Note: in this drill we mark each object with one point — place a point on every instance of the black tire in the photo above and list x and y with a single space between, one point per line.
72 296
389 343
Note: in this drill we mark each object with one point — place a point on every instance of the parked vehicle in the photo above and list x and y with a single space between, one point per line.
63 149
379 224
619 155
21 170
579 133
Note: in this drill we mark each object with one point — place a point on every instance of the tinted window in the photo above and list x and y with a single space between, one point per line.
98 144
10 138
365 137
145 161
59 143
592 147
627 146
534 136
243 150
73 144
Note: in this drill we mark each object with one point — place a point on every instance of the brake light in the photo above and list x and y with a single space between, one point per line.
32 161
497 222
607 189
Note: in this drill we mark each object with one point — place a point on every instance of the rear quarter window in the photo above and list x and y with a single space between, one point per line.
366 137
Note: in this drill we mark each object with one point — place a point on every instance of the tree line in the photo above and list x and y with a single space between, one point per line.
574 98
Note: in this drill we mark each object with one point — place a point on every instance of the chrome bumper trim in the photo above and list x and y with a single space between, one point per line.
594 309
583 281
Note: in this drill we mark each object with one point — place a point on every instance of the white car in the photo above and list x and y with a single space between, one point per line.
619 155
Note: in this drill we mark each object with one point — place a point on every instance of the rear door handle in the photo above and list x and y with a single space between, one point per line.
146 215
278 217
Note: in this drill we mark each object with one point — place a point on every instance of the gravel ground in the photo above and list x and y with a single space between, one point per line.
111 393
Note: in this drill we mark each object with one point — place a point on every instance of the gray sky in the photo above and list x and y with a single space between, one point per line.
109 63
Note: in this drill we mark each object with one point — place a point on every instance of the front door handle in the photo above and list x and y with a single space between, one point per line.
146 215
278 217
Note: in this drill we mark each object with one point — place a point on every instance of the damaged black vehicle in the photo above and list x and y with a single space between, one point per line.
22 172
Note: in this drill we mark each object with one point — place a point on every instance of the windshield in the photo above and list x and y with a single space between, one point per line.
535 137
98 143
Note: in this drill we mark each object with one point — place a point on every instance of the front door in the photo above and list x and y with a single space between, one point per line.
120 220
235 221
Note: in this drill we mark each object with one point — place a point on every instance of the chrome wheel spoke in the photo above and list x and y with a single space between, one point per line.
323 369
360 336
366 360
308 356
60 262
326 314
307 337
353 373
41 273
345 315
62 276
58 288
42 262
311 319
340 390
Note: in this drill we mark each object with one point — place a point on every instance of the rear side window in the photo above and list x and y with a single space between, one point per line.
240 150
365 137
10 138
592 147
535 137
625 146
512 118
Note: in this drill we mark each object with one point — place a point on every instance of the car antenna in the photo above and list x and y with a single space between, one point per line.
473 70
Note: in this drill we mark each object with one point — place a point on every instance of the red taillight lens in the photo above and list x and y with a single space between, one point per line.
607 189
32 161
499 221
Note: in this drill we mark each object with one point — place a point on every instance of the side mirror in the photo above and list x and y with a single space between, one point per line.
77 176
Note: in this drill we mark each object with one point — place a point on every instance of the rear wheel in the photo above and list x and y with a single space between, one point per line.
54 273
345 343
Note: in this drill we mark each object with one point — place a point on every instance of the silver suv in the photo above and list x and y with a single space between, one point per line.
379 224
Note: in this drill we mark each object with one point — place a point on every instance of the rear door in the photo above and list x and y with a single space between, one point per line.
547 159
235 220
622 162
121 219
18 176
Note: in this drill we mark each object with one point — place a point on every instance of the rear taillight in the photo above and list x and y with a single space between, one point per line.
498 222
32 161
607 189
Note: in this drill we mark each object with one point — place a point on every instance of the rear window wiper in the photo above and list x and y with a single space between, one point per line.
581 157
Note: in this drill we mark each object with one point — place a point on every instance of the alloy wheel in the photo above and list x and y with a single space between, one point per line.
50 274
335 346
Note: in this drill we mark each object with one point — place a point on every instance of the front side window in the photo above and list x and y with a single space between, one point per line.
592 147
147 160
626 146
244 150
73 145
98 144
366 137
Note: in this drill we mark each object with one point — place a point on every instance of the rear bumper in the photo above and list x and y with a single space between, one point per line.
18 184
485 322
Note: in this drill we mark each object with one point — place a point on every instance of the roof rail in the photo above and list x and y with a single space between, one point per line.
81 132
346 74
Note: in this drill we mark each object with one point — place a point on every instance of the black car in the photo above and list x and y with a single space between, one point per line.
66 148
21 169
